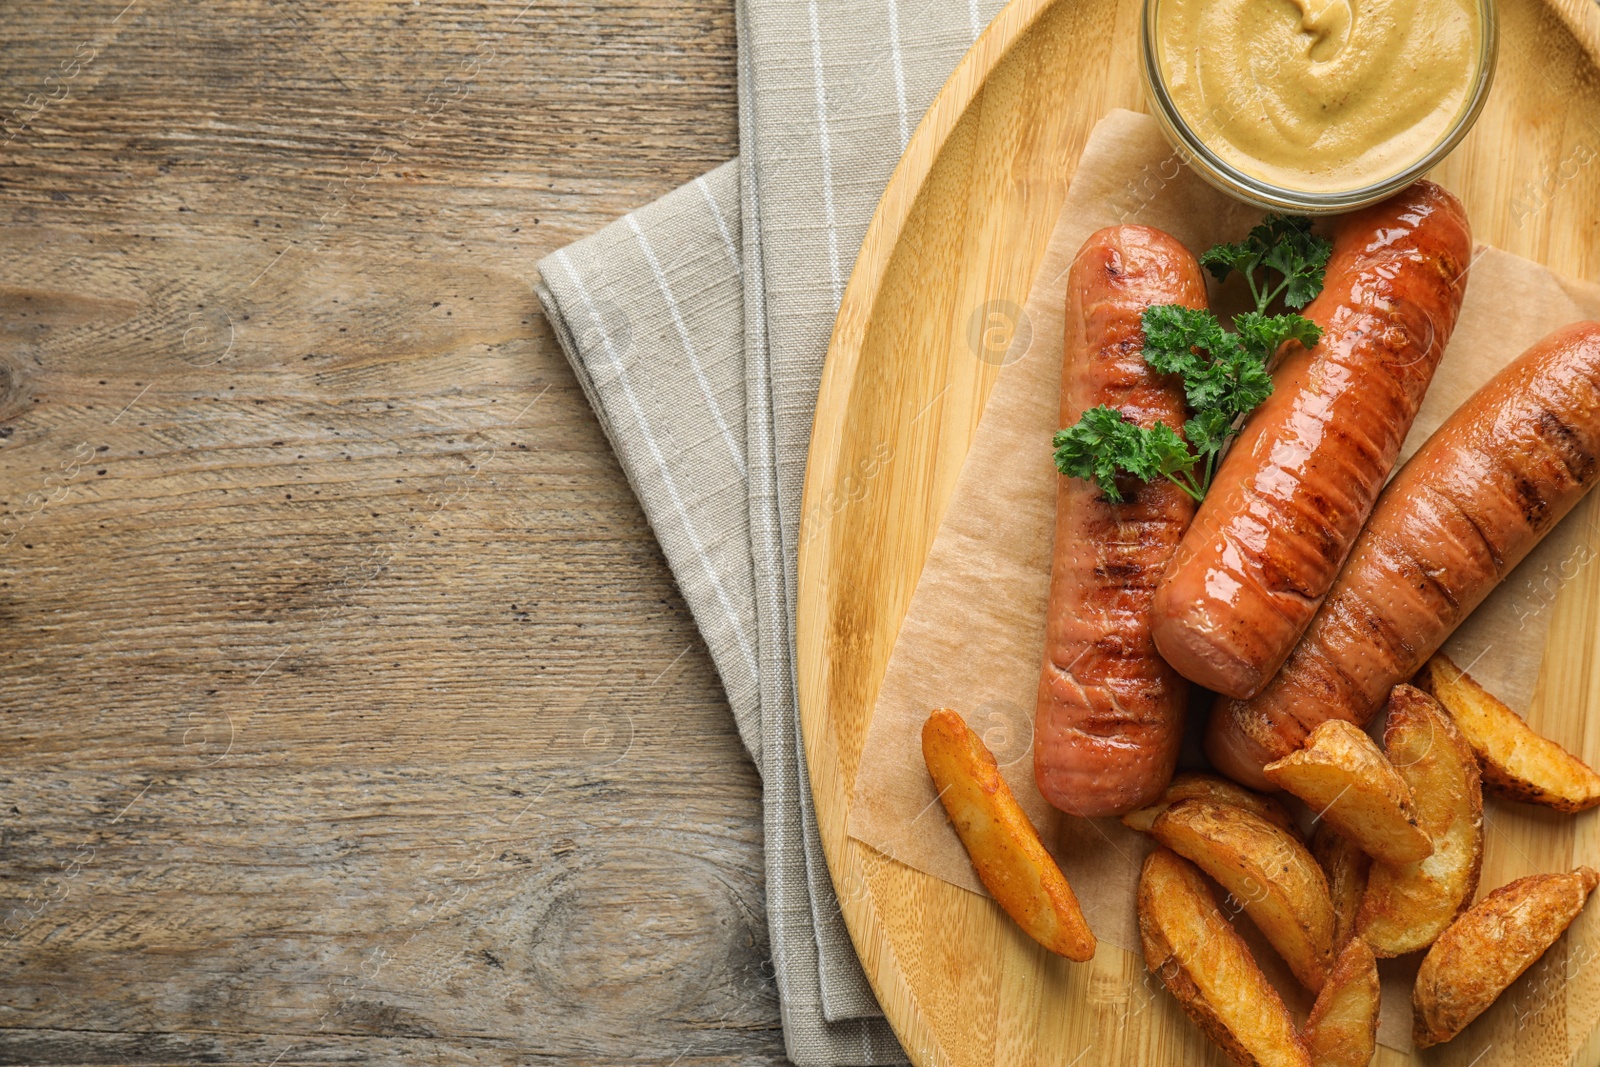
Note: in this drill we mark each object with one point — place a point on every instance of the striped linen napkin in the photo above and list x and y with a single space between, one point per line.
697 327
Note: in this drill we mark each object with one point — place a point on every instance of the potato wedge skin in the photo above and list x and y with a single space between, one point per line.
1265 868
1346 868
1407 906
1517 763
1343 1028
1189 785
1004 847
1489 947
1209 969
1342 776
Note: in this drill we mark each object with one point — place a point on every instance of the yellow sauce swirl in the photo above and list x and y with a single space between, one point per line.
1319 95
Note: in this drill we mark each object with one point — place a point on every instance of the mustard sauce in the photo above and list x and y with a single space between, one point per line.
1320 96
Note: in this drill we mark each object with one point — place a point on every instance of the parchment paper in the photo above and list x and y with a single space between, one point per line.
973 638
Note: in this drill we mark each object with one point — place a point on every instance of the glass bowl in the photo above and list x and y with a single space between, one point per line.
1225 176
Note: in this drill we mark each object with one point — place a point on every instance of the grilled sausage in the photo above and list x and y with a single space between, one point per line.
1290 497
1110 712
1467 508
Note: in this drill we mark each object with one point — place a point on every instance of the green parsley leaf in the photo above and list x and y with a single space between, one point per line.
1251 385
1282 243
1208 431
1263 335
1172 332
1223 260
1099 445
1167 453
1302 258
1103 444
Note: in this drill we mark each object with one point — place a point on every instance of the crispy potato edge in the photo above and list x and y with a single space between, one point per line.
1191 785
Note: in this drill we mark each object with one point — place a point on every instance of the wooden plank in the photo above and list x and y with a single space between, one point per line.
350 709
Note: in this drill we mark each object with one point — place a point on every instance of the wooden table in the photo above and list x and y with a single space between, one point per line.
350 711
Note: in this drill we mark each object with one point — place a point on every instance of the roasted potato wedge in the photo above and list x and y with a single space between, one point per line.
1348 783
1489 947
1191 786
1407 906
1343 1028
1517 763
1004 847
1267 870
1208 967
1346 868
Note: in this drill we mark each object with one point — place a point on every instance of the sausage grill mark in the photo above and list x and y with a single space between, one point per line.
1119 573
1489 547
1530 500
1567 445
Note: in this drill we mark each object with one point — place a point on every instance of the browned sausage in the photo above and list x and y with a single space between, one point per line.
1110 712
1473 501
1291 495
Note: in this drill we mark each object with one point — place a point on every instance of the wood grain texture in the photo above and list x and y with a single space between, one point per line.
954 242
349 709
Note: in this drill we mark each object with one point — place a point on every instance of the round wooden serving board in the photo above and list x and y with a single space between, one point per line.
964 221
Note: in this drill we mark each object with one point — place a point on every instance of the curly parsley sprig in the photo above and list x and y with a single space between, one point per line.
1224 373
